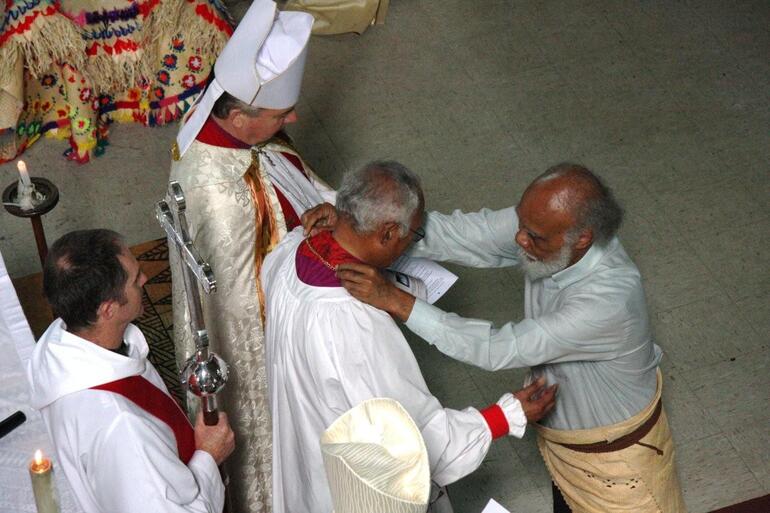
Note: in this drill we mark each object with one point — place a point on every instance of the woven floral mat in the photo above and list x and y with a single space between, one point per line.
157 321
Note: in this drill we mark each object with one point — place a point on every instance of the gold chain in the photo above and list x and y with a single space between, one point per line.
323 261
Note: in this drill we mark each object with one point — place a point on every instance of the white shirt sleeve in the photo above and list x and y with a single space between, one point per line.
369 357
131 468
585 328
514 414
479 239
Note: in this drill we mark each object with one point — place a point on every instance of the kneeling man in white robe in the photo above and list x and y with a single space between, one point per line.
121 440
327 351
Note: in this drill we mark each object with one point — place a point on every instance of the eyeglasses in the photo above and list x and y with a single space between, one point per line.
418 234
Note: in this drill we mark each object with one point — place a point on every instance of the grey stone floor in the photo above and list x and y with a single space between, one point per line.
667 100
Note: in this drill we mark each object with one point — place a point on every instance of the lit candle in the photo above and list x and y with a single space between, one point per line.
41 473
25 192
23 174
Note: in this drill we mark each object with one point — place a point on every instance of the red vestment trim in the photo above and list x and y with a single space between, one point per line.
496 421
158 404
213 134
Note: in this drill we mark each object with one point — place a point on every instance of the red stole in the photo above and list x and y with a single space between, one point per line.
158 404
328 248
311 268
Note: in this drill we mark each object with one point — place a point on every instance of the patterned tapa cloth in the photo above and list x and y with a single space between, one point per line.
641 478
69 68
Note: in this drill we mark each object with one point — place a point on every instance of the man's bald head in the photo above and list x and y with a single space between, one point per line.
575 191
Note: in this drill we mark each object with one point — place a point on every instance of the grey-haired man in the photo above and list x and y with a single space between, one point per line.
607 442
327 351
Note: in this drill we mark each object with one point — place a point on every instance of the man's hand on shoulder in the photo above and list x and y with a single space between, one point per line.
537 399
217 440
367 284
319 218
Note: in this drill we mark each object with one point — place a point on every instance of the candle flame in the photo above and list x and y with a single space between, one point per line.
38 457
21 166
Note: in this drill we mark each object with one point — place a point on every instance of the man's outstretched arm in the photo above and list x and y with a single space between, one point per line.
571 334
474 239
477 239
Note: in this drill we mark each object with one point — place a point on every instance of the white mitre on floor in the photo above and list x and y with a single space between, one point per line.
262 65
376 460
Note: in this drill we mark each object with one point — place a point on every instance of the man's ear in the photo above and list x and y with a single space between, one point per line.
585 239
106 310
236 118
389 232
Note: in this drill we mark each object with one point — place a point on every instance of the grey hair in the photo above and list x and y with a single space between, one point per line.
227 102
380 192
594 204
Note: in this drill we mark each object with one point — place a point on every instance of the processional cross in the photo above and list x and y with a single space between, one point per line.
205 373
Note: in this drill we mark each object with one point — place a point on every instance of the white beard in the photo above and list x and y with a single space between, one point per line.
537 269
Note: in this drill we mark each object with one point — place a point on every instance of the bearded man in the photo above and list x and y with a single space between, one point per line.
607 443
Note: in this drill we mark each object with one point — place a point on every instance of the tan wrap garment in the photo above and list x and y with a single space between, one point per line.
637 479
234 219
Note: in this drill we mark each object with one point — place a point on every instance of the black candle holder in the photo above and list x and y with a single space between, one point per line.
50 198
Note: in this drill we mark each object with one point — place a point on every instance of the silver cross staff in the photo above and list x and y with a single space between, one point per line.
204 373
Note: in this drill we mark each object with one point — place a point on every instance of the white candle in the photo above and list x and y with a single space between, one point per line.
23 174
25 192
41 473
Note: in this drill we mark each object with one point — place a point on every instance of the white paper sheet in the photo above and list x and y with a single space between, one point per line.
437 280
494 507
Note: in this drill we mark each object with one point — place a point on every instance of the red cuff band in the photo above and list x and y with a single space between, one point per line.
496 421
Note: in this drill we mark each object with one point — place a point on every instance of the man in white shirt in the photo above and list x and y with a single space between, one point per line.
607 443
327 351
121 440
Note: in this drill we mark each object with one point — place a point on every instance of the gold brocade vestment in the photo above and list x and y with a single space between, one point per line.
234 218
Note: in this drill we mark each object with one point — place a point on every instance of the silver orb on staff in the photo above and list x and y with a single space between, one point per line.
205 373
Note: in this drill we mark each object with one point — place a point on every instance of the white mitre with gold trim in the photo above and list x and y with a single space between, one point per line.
262 65
376 460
